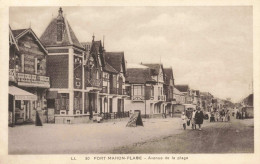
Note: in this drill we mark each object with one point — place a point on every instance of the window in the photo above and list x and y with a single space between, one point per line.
137 90
97 75
152 91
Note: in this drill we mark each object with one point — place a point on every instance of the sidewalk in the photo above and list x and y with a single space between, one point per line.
87 138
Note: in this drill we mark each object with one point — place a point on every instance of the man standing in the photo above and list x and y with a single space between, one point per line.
199 117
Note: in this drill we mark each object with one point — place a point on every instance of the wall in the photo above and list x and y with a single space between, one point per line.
57 70
137 105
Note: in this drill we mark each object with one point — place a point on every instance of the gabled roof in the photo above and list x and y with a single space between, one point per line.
154 68
86 45
17 32
21 32
96 46
182 88
49 36
176 91
116 60
12 40
138 75
109 68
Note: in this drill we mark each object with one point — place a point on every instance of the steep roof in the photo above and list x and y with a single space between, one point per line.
154 68
12 40
182 88
109 68
21 32
49 36
115 59
176 91
169 75
138 75
249 100
17 32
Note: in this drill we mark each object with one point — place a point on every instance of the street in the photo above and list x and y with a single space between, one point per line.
221 137
157 136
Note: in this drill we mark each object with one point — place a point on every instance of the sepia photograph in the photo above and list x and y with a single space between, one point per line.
130 82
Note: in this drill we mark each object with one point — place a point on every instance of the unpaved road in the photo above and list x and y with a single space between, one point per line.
236 136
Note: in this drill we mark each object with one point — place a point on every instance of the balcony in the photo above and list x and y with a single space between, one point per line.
12 75
113 90
32 80
104 89
93 82
138 98
161 97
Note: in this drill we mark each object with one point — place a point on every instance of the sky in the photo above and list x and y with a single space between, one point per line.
209 48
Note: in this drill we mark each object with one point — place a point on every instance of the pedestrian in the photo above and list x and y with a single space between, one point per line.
199 117
193 120
184 120
222 115
228 115
217 115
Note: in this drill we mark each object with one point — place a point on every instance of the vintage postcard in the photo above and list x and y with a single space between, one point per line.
130 82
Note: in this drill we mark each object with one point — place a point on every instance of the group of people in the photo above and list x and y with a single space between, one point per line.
194 118
241 115
223 115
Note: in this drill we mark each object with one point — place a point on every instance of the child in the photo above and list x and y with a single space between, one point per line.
184 120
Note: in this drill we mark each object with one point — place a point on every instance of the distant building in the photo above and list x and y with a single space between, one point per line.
169 90
151 89
140 85
185 89
248 101
206 101
178 96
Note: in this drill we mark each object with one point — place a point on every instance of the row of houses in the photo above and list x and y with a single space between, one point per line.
67 81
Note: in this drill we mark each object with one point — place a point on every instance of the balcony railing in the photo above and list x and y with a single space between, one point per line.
113 91
138 98
33 80
104 89
93 82
162 97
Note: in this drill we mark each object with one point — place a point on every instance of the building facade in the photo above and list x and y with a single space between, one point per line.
169 91
186 91
65 68
147 84
28 82
87 82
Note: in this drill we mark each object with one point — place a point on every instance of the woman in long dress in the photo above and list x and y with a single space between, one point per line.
199 118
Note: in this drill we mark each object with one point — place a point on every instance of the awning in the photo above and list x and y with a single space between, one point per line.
51 95
21 94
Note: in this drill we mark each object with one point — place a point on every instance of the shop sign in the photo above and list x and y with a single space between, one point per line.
33 80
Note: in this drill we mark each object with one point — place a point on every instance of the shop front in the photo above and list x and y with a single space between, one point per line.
21 105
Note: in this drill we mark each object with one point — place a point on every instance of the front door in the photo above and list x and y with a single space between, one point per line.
119 105
100 105
92 104
110 105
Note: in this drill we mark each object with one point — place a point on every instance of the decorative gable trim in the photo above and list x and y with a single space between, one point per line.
30 31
